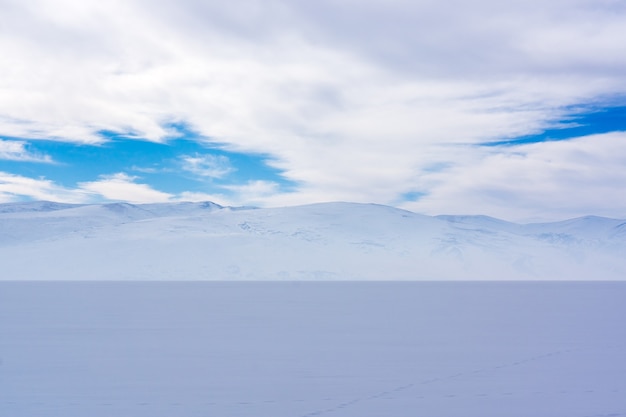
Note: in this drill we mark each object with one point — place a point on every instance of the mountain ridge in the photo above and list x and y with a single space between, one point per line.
339 240
48 206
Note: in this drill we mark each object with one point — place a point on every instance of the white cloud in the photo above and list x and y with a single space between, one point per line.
122 187
207 166
17 151
17 187
540 181
116 187
145 170
253 192
352 100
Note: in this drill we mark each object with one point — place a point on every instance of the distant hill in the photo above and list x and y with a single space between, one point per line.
329 241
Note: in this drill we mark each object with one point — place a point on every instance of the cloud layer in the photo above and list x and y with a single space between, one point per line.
364 101
539 181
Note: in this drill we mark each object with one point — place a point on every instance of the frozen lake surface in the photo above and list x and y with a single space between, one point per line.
269 349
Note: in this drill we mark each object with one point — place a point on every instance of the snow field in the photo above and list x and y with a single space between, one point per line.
289 349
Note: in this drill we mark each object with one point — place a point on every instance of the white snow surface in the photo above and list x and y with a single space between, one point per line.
330 241
304 349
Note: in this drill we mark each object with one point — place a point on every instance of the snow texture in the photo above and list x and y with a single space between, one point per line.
304 349
331 241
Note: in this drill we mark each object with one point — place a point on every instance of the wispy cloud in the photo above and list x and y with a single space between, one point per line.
13 187
538 181
146 170
207 166
123 187
116 187
17 151
253 192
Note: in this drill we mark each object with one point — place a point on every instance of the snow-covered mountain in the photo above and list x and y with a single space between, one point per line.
330 241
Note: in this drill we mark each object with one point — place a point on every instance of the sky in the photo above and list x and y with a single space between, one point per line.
512 109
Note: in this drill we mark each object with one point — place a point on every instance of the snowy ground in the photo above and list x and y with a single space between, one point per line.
219 349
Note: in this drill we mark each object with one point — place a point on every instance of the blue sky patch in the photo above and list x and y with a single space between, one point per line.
412 196
589 121
185 162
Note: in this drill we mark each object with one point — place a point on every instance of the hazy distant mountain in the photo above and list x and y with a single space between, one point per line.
337 241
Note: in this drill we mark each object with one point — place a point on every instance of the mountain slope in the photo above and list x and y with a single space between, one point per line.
338 241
